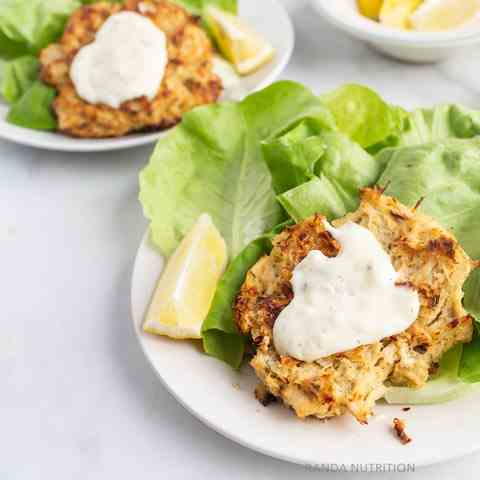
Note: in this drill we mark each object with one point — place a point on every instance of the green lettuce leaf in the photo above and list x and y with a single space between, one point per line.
197 168
27 26
197 6
33 109
291 158
469 371
89 2
362 115
447 174
334 170
443 387
470 364
3 65
320 167
471 300
17 77
30 99
432 124
221 338
319 195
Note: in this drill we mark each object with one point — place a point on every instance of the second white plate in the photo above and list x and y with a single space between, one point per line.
267 17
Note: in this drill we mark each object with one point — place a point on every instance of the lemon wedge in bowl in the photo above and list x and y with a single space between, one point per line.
397 13
437 15
240 45
186 287
370 8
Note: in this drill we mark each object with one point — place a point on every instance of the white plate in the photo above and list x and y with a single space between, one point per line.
267 17
223 399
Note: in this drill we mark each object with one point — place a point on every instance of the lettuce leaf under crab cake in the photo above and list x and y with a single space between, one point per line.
446 174
314 170
33 109
432 124
197 6
292 157
30 99
89 2
17 77
3 64
442 387
27 26
213 162
363 115
221 338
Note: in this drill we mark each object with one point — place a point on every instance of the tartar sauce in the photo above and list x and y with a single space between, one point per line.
127 60
342 302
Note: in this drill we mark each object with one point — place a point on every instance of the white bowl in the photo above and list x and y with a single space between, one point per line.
419 47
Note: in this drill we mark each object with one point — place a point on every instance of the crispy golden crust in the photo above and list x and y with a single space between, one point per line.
427 257
189 80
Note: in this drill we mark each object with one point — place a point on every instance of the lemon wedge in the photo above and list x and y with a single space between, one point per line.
370 8
435 15
396 13
186 287
237 42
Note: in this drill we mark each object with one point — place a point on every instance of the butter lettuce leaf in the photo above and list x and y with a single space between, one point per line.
17 77
33 109
30 99
471 300
432 124
447 175
318 195
89 2
221 170
321 167
291 158
221 338
470 364
197 6
363 115
323 172
443 387
27 26
469 370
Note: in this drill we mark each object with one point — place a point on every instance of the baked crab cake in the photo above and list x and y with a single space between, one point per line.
427 259
188 79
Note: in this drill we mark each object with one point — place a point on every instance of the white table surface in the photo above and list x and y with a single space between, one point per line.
78 400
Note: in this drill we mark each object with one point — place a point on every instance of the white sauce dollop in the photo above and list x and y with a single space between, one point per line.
342 302
127 60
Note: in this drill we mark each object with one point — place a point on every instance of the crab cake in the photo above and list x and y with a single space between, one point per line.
189 79
427 258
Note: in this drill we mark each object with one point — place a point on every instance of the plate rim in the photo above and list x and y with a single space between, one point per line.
111 144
